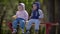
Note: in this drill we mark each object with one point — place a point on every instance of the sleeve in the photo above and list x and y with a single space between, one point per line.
16 13
26 15
41 14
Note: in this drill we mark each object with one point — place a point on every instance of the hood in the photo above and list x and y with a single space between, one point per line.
37 4
23 5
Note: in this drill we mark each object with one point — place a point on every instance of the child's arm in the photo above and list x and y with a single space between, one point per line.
41 14
14 16
26 15
31 16
41 17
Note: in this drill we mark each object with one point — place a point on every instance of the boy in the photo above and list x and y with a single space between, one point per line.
36 17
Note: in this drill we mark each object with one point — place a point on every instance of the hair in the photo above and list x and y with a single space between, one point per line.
37 4
22 4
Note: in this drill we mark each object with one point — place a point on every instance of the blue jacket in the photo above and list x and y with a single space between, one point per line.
35 13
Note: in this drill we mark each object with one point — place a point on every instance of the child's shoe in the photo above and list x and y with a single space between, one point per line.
14 31
27 32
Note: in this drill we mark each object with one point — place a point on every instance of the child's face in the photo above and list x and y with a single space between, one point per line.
20 8
34 7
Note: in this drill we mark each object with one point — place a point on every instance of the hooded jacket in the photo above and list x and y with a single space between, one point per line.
36 14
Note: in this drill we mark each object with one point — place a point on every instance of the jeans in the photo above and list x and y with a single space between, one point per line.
31 21
20 21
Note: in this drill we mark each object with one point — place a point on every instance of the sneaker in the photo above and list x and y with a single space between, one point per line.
14 31
36 32
23 33
27 32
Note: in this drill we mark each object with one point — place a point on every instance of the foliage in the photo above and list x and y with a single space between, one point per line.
8 8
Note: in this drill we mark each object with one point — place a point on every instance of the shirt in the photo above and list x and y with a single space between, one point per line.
37 14
22 14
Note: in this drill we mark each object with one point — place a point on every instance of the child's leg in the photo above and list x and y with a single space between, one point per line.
29 24
14 25
22 25
37 23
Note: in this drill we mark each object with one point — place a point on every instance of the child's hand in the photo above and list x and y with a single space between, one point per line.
14 16
26 22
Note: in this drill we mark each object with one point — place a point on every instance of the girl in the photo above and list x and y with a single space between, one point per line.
21 16
36 17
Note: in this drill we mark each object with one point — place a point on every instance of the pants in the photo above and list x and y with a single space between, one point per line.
20 21
36 21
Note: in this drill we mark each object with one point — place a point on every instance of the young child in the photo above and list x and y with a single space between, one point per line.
36 17
21 16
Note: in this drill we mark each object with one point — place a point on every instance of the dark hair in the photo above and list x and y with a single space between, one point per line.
37 4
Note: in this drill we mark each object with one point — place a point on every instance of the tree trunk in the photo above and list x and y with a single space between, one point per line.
51 9
58 5
51 15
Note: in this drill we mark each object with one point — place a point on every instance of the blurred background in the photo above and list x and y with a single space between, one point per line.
50 8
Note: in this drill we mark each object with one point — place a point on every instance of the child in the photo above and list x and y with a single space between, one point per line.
21 16
36 17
